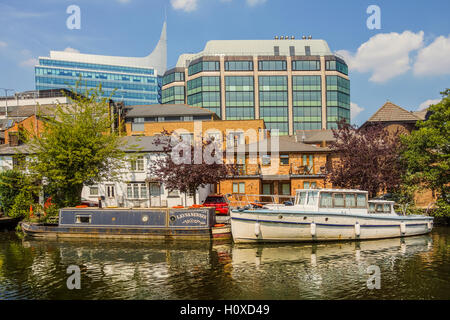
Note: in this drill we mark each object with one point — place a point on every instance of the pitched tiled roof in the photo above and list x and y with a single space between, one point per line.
314 136
287 144
391 112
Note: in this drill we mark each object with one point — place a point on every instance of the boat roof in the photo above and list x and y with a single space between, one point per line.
333 190
381 201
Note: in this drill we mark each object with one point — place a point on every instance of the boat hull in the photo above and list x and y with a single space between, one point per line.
55 231
270 226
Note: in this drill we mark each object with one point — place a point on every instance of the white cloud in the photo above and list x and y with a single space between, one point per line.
385 55
3 44
435 58
69 49
31 62
355 110
185 5
253 3
428 103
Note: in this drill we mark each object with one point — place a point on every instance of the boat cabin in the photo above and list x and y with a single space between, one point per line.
381 206
332 198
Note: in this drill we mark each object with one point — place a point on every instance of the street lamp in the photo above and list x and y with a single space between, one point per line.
6 100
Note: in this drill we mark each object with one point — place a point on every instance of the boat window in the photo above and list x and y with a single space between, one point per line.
312 197
338 200
361 200
83 219
379 207
372 207
326 200
350 201
302 198
387 208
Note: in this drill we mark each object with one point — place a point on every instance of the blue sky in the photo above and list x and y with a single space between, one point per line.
407 61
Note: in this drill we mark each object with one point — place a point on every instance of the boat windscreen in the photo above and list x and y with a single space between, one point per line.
301 198
312 197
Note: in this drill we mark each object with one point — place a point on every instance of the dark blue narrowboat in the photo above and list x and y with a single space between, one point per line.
126 223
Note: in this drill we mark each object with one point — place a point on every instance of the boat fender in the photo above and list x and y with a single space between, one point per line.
257 229
402 227
357 229
429 225
313 229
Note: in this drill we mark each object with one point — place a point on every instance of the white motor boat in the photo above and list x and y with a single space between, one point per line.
325 214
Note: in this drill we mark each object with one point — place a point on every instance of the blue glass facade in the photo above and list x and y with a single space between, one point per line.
134 86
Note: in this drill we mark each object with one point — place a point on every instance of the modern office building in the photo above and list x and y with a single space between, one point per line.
137 81
291 84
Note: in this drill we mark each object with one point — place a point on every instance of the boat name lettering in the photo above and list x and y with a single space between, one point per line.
191 214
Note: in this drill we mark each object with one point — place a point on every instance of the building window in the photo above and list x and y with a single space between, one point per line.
276 50
137 164
239 187
284 159
239 97
266 188
272 65
235 138
285 188
204 66
137 191
93 191
291 51
110 191
309 185
308 163
336 65
307 50
173 77
306 65
265 160
173 194
238 65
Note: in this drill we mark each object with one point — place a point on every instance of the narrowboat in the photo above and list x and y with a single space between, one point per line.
127 223
325 214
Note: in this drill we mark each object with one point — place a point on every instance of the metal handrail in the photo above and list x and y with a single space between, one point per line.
254 200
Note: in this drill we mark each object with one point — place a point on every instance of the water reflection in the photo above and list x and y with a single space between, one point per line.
411 268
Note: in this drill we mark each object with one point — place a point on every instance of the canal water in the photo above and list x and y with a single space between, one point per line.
411 268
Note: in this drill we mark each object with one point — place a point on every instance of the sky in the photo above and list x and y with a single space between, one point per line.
401 54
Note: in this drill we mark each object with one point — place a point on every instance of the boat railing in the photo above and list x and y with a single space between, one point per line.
274 201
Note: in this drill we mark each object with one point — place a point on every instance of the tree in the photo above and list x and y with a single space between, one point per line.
13 184
180 167
77 147
367 159
426 154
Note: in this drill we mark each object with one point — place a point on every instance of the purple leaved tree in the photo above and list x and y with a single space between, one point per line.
188 165
367 158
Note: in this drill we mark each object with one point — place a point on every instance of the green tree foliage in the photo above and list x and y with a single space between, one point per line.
426 154
77 147
10 187
21 205
14 187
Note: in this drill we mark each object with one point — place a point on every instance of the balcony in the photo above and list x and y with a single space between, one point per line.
243 170
306 171
294 172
